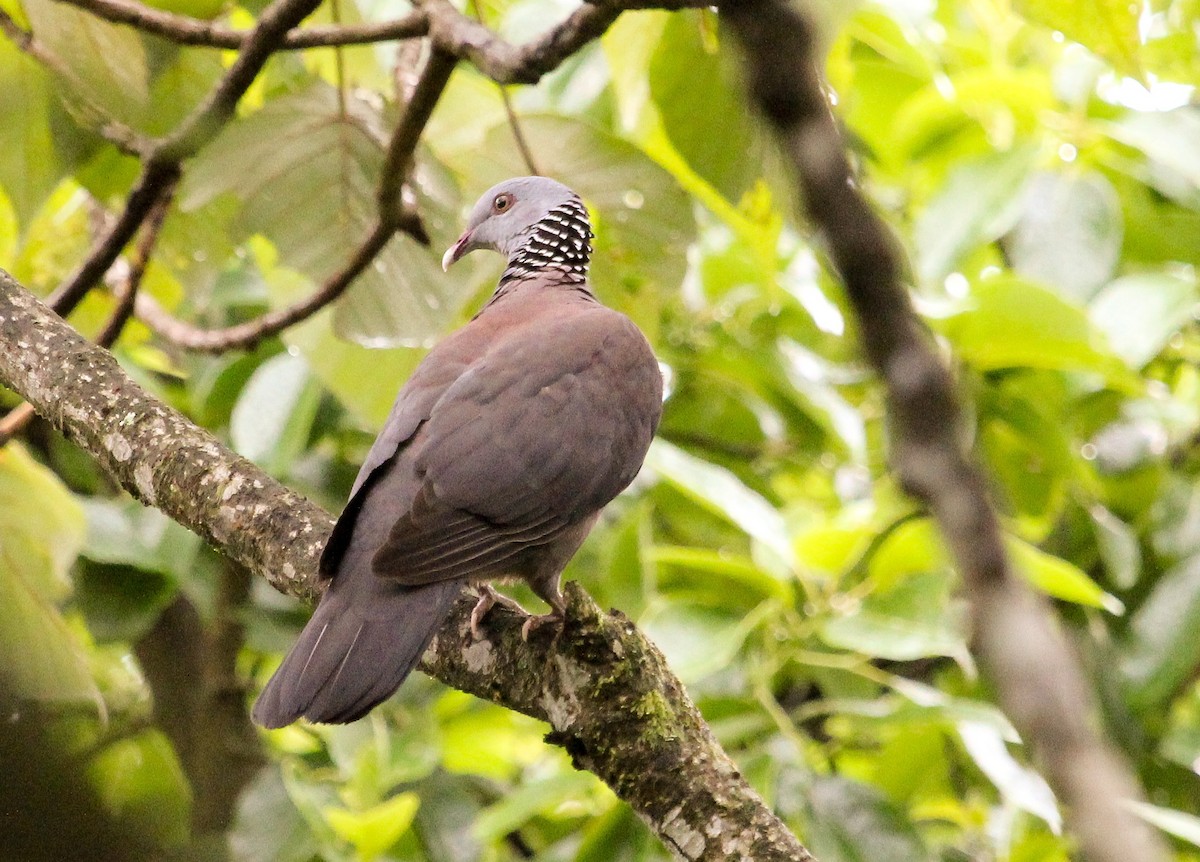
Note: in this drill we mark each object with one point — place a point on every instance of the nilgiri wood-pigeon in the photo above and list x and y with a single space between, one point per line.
499 453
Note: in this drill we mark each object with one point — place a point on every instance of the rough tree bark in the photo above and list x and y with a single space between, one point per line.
603 687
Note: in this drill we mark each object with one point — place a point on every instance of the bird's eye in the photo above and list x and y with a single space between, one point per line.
502 203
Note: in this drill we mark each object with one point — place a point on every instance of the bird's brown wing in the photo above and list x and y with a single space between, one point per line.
537 435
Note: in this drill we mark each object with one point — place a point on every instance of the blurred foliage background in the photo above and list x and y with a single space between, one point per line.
1039 160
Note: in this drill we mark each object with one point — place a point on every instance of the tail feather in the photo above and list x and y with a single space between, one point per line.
352 656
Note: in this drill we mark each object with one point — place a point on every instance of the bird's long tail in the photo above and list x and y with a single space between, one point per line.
352 656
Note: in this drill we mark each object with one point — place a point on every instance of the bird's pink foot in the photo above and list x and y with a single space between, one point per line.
536 621
489 598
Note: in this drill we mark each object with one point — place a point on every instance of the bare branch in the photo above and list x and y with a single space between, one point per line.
195 31
606 691
1038 679
509 64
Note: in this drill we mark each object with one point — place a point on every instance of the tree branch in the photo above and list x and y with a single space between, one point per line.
1038 679
195 31
605 689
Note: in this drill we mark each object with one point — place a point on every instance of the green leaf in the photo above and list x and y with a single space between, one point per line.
1139 313
915 619
41 531
1107 27
272 419
124 532
1170 141
1179 824
531 800
720 491
377 828
1118 546
979 202
703 115
316 203
1056 577
699 641
267 826
104 64
853 822
1018 784
1012 323
1068 236
30 168
142 784
1162 650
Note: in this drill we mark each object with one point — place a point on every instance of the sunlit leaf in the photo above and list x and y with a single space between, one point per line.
915 619
980 201
1012 323
531 800
142 784
1108 27
1162 649
722 492
376 829
31 167
41 530
273 416
1068 236
1059 578
1020 785
702 113
1139 313
1180 824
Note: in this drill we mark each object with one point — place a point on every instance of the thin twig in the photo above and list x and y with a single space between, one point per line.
1039 682
154 180
185 30
128 292
513 123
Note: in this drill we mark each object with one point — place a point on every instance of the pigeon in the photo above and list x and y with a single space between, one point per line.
494 463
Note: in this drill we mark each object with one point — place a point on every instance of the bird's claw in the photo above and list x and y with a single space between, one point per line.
489 598
535 621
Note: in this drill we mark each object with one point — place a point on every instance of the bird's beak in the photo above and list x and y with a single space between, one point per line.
456 251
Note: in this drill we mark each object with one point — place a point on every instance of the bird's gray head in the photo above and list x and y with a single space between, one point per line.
535 222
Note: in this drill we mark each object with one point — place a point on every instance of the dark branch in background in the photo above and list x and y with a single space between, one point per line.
393 215
504 62
1039 682
606 691
194 31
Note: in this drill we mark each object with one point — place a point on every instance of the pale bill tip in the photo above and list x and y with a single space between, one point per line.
448 258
